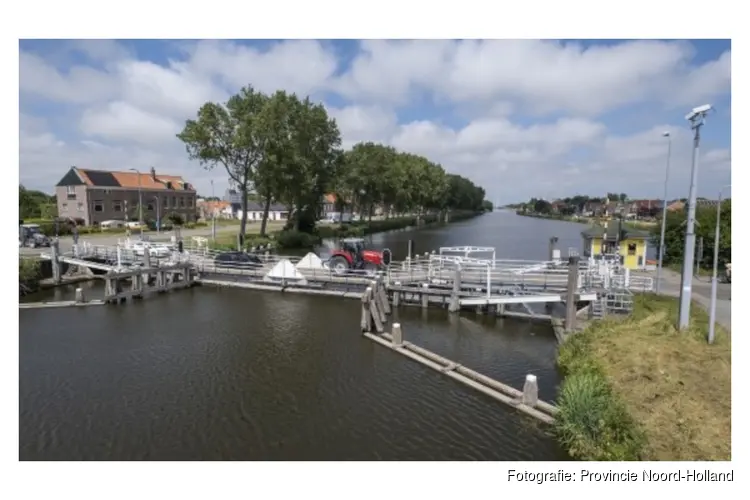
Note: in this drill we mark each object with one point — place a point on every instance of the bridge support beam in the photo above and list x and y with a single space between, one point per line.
570 299
56 267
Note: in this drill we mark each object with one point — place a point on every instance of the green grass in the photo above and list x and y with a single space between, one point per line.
638 389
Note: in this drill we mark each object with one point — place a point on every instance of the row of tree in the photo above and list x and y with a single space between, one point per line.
288 150
705 230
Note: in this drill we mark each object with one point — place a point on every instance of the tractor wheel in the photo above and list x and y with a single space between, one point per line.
339 264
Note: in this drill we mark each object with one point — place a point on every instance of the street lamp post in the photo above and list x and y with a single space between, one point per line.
714 275
663 214
158 214
697 118
140 200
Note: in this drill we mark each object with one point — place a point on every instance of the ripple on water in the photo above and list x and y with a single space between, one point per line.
231 374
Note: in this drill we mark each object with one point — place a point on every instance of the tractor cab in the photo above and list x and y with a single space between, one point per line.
353 246
351 255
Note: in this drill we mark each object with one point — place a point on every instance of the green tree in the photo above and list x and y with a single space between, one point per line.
705 227
34 204
229 135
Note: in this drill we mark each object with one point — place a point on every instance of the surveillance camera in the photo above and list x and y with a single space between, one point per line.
698 111
665 133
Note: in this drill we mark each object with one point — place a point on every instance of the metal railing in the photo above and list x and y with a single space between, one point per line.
428 268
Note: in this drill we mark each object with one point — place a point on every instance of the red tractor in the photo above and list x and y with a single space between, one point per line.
352 256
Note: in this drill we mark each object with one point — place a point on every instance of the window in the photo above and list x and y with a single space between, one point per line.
80 206
117 206
631 248
166 202
150 207
71 190
98 206
190 202
182 202
64 206
174 202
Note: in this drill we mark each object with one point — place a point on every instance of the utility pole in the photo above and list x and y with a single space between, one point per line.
213 214
663 214
697 118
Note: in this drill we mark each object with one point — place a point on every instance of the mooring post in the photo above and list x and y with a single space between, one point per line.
56 271
366 322
425 296
530 391
383 295
396 334
570 297
553 255
455 304
80 297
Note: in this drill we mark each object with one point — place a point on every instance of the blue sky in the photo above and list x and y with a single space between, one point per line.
521 118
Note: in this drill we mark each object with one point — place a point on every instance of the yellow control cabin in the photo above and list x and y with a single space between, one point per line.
616 241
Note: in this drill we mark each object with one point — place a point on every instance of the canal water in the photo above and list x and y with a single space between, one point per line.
232 374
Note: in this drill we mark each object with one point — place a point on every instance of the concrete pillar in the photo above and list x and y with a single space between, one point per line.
80 297
455 304
570 296
530 391
146 259
397 335
425 296
56 265
552 247
119 256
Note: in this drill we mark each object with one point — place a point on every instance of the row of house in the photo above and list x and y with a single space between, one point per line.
91 197
230 207
631 209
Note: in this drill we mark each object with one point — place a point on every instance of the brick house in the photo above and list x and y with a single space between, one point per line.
95 196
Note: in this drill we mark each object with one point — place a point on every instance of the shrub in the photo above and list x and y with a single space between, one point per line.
29 272
296 239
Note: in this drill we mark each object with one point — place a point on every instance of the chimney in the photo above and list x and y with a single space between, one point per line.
153 174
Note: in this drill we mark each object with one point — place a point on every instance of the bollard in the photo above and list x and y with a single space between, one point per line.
396 334
570 296
455 304
530 391
80 297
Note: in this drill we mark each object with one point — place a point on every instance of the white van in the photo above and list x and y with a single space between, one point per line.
112 224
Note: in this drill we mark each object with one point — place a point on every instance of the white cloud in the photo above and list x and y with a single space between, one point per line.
519 117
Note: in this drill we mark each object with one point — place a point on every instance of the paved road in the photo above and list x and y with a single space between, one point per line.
66 242
702 294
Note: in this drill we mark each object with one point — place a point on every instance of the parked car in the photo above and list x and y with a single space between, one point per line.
154 249
30 235
237 260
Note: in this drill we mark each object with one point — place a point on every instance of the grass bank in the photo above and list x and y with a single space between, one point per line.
29 274
637 389
297 240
